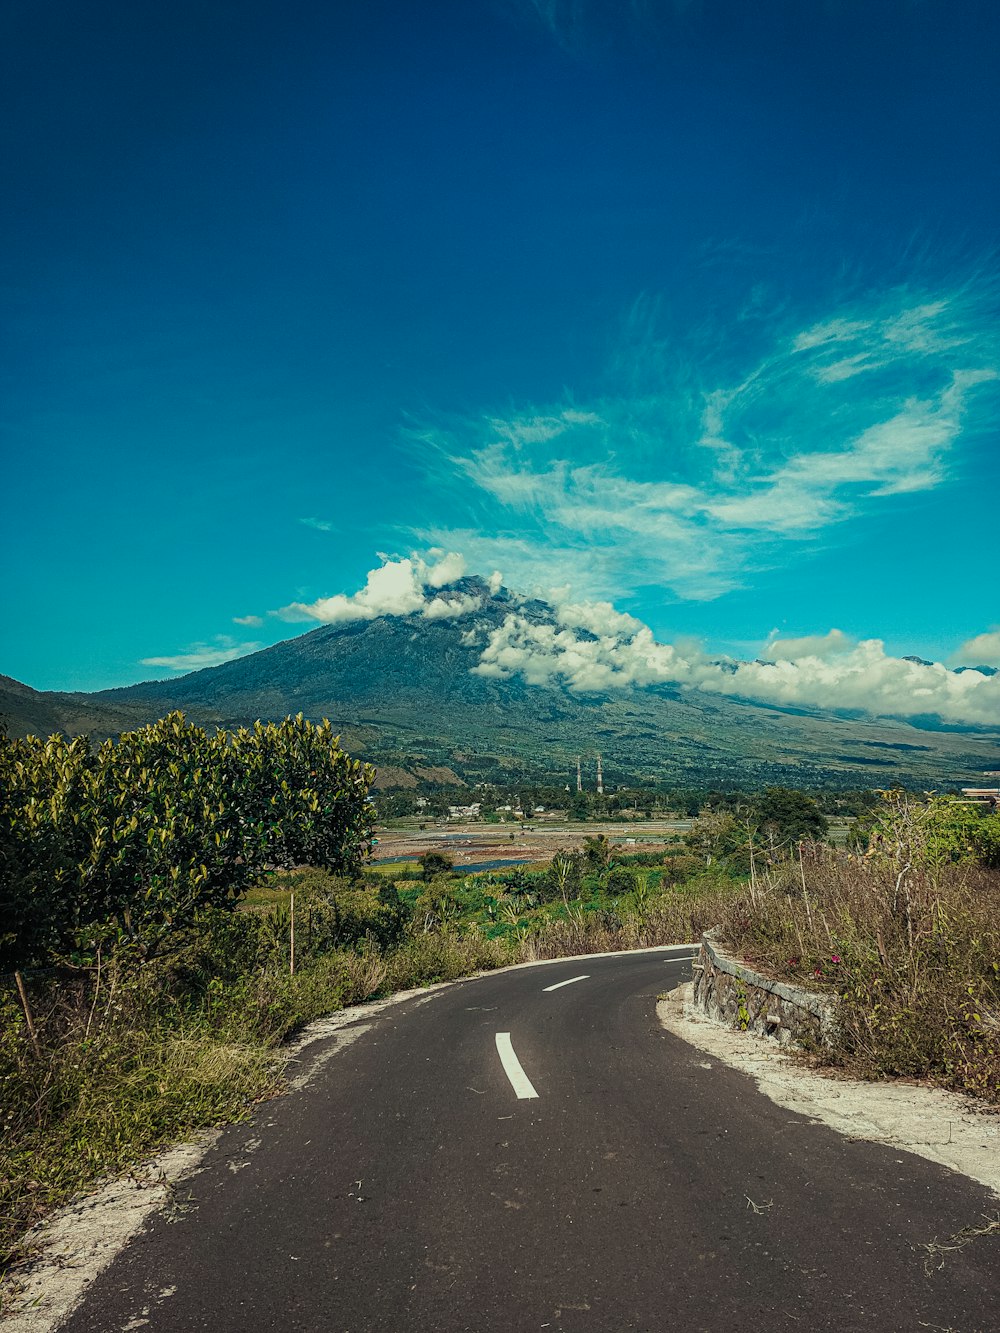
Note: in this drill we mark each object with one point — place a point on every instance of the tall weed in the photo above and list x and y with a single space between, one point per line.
912 951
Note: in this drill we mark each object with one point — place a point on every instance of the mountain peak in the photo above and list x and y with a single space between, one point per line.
493 684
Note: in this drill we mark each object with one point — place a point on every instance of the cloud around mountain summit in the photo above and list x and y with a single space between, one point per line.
829 672
397 588
591 646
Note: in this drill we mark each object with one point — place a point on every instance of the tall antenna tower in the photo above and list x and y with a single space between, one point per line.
600 778
579 775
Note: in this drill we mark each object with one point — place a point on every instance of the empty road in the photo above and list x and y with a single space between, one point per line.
530 1150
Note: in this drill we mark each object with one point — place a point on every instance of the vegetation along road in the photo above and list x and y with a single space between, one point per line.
531 1150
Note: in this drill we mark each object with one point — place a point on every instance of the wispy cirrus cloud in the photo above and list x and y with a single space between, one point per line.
319 524
579 26
198 655
690 479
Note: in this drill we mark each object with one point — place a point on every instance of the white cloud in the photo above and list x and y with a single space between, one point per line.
830 332
540 429
823 671
599 618
822 646
845 368
983 650
450 608
448 567
199 655
320 524
691 485
592 646
868 679
396 588
253 622
583 29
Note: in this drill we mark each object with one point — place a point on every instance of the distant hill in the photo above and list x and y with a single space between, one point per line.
24 712
401 692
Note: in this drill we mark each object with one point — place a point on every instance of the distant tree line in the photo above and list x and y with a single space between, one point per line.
434 801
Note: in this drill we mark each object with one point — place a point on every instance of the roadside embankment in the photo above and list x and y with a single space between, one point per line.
733 993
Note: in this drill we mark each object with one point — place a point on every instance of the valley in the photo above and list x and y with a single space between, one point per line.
469 845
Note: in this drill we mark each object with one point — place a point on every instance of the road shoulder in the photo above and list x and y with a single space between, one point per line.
943 1127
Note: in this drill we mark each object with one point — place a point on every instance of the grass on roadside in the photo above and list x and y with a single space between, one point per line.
148 1055
913 953
152 1056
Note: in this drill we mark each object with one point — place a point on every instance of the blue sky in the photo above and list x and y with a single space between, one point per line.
690 307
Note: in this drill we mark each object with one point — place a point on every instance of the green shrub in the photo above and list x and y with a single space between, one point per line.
620 880
129 845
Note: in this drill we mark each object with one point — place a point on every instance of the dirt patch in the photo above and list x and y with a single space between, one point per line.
469 844
390 778
941 1126
80 1241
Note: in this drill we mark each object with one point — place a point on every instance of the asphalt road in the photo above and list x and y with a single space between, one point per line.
645 1186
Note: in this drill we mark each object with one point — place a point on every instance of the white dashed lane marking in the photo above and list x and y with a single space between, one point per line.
566 983
519 1080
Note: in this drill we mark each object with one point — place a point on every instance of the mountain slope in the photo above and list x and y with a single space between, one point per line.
401 689
28 712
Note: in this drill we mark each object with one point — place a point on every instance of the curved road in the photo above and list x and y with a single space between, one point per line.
409 1187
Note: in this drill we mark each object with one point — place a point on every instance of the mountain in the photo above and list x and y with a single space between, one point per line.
402 692
24 712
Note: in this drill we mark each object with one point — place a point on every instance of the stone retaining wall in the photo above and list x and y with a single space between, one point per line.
736 995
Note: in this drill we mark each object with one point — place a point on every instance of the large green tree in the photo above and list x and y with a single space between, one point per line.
786 816
128 845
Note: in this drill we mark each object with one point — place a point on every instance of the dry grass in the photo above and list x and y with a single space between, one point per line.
144 1058
937 1251
93 1103
913 953
128 1068
667 918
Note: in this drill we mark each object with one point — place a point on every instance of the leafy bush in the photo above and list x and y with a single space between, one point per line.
564 877
932 833
619 880
433 864
679 866
438 904
131 844
787 816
